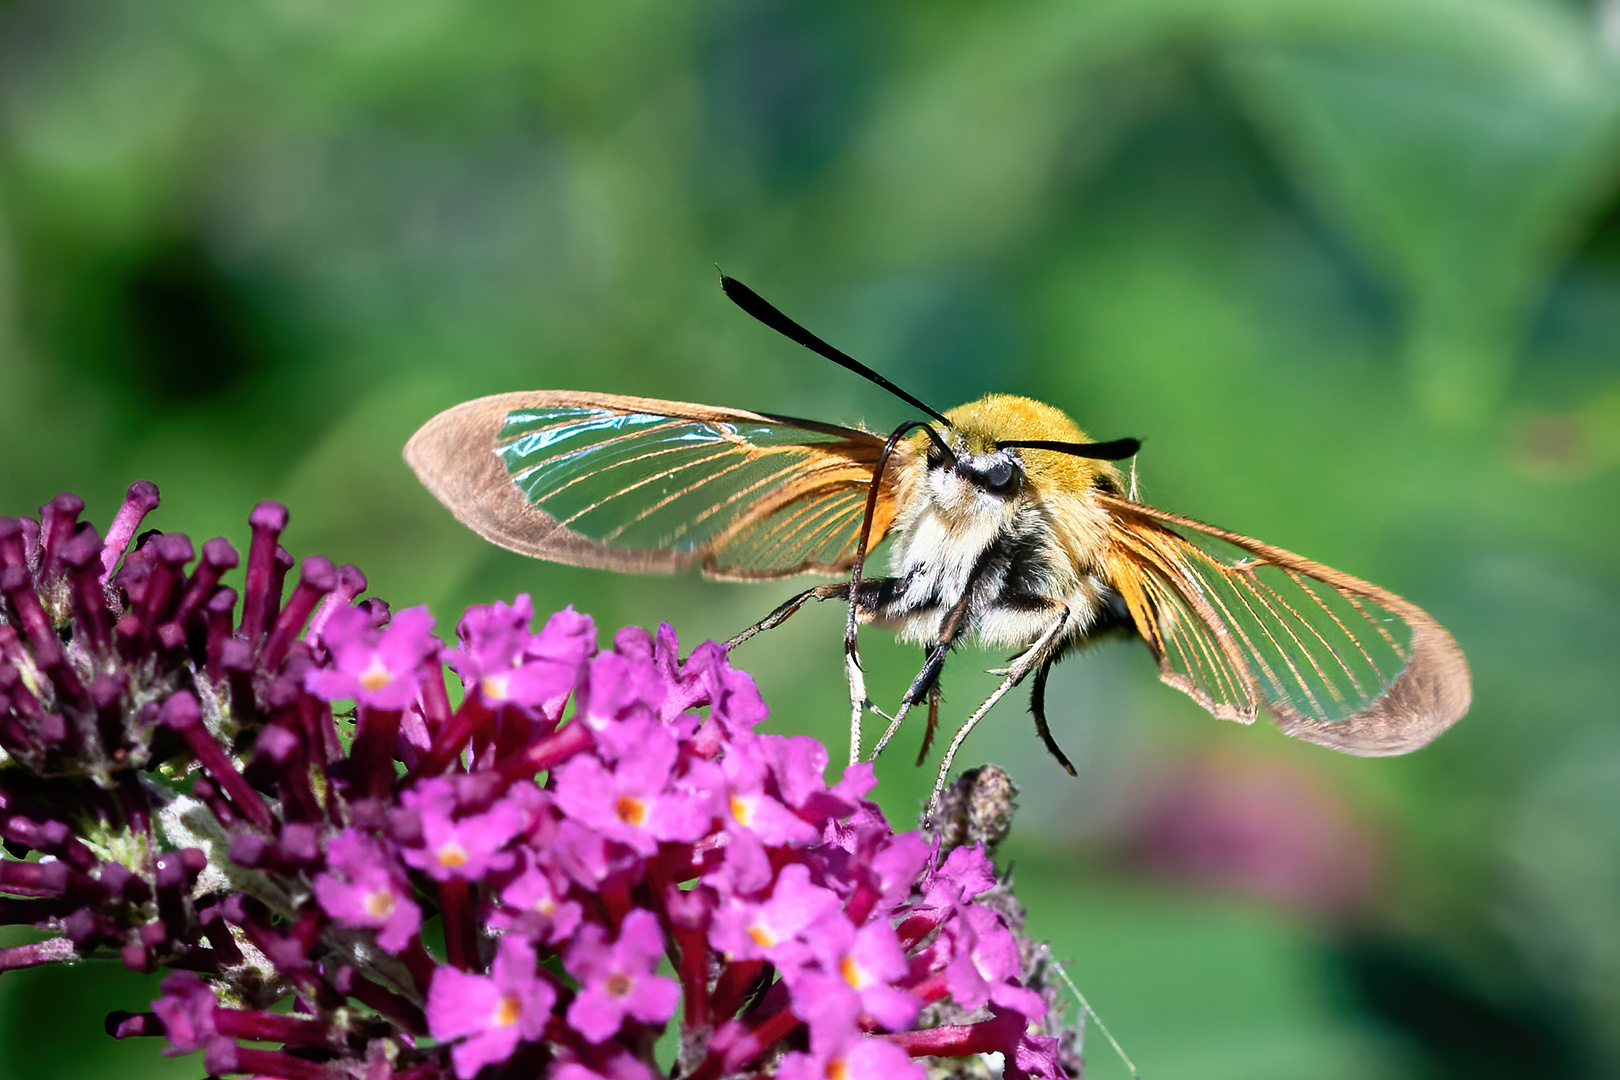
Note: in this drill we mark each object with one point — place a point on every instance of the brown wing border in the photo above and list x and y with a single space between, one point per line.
1431 693
454 456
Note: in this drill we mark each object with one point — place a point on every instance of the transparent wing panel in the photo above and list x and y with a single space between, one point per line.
760 497
819 529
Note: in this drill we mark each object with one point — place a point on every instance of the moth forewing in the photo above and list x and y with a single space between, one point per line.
455 457
1336 660
809 525
651 486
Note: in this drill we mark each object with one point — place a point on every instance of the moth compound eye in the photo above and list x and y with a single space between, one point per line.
1001 477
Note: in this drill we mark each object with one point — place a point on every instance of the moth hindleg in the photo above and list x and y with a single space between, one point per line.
1043 648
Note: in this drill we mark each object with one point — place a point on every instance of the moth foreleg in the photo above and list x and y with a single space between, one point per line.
870 594
786 610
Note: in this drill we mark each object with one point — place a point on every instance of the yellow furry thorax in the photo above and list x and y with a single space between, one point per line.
980 426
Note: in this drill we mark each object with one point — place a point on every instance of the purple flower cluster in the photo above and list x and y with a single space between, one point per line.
273 795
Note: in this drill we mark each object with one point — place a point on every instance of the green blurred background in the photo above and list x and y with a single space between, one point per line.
1350 269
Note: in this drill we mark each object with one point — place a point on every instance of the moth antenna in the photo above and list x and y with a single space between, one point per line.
1133 495
1117 450
939 441
761 309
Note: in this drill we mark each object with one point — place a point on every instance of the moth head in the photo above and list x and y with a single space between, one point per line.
991 467
976 474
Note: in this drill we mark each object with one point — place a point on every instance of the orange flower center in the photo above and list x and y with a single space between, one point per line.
452 855
742 809
837 1069
619 984
380 904
631 810
511 1008
761 936
850 971
376 676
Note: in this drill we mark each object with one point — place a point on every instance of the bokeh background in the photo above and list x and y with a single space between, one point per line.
1352 270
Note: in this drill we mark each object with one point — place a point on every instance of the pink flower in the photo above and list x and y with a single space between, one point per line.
490 1014
897 865
588 857
366 890
734 702
620 688
509 665
617 980
858 966
747 767
633 803
984 964
536 903
377 668
187 1010
620 1066
799 764
965 874
852 1058
772 930
466 847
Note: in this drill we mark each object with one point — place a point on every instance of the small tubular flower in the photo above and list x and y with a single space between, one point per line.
771 930
364 888
486 1016
458 844
380 668
618 980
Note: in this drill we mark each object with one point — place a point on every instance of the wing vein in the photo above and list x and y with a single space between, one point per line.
1377 624
1260 589
652 478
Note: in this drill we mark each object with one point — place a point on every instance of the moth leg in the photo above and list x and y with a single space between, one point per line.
860 702
935 695
950 629
1037 705
870 595
858 699
1033 657
835 591
867 598
925 679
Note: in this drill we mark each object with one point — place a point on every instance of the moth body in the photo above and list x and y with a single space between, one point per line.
999 523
